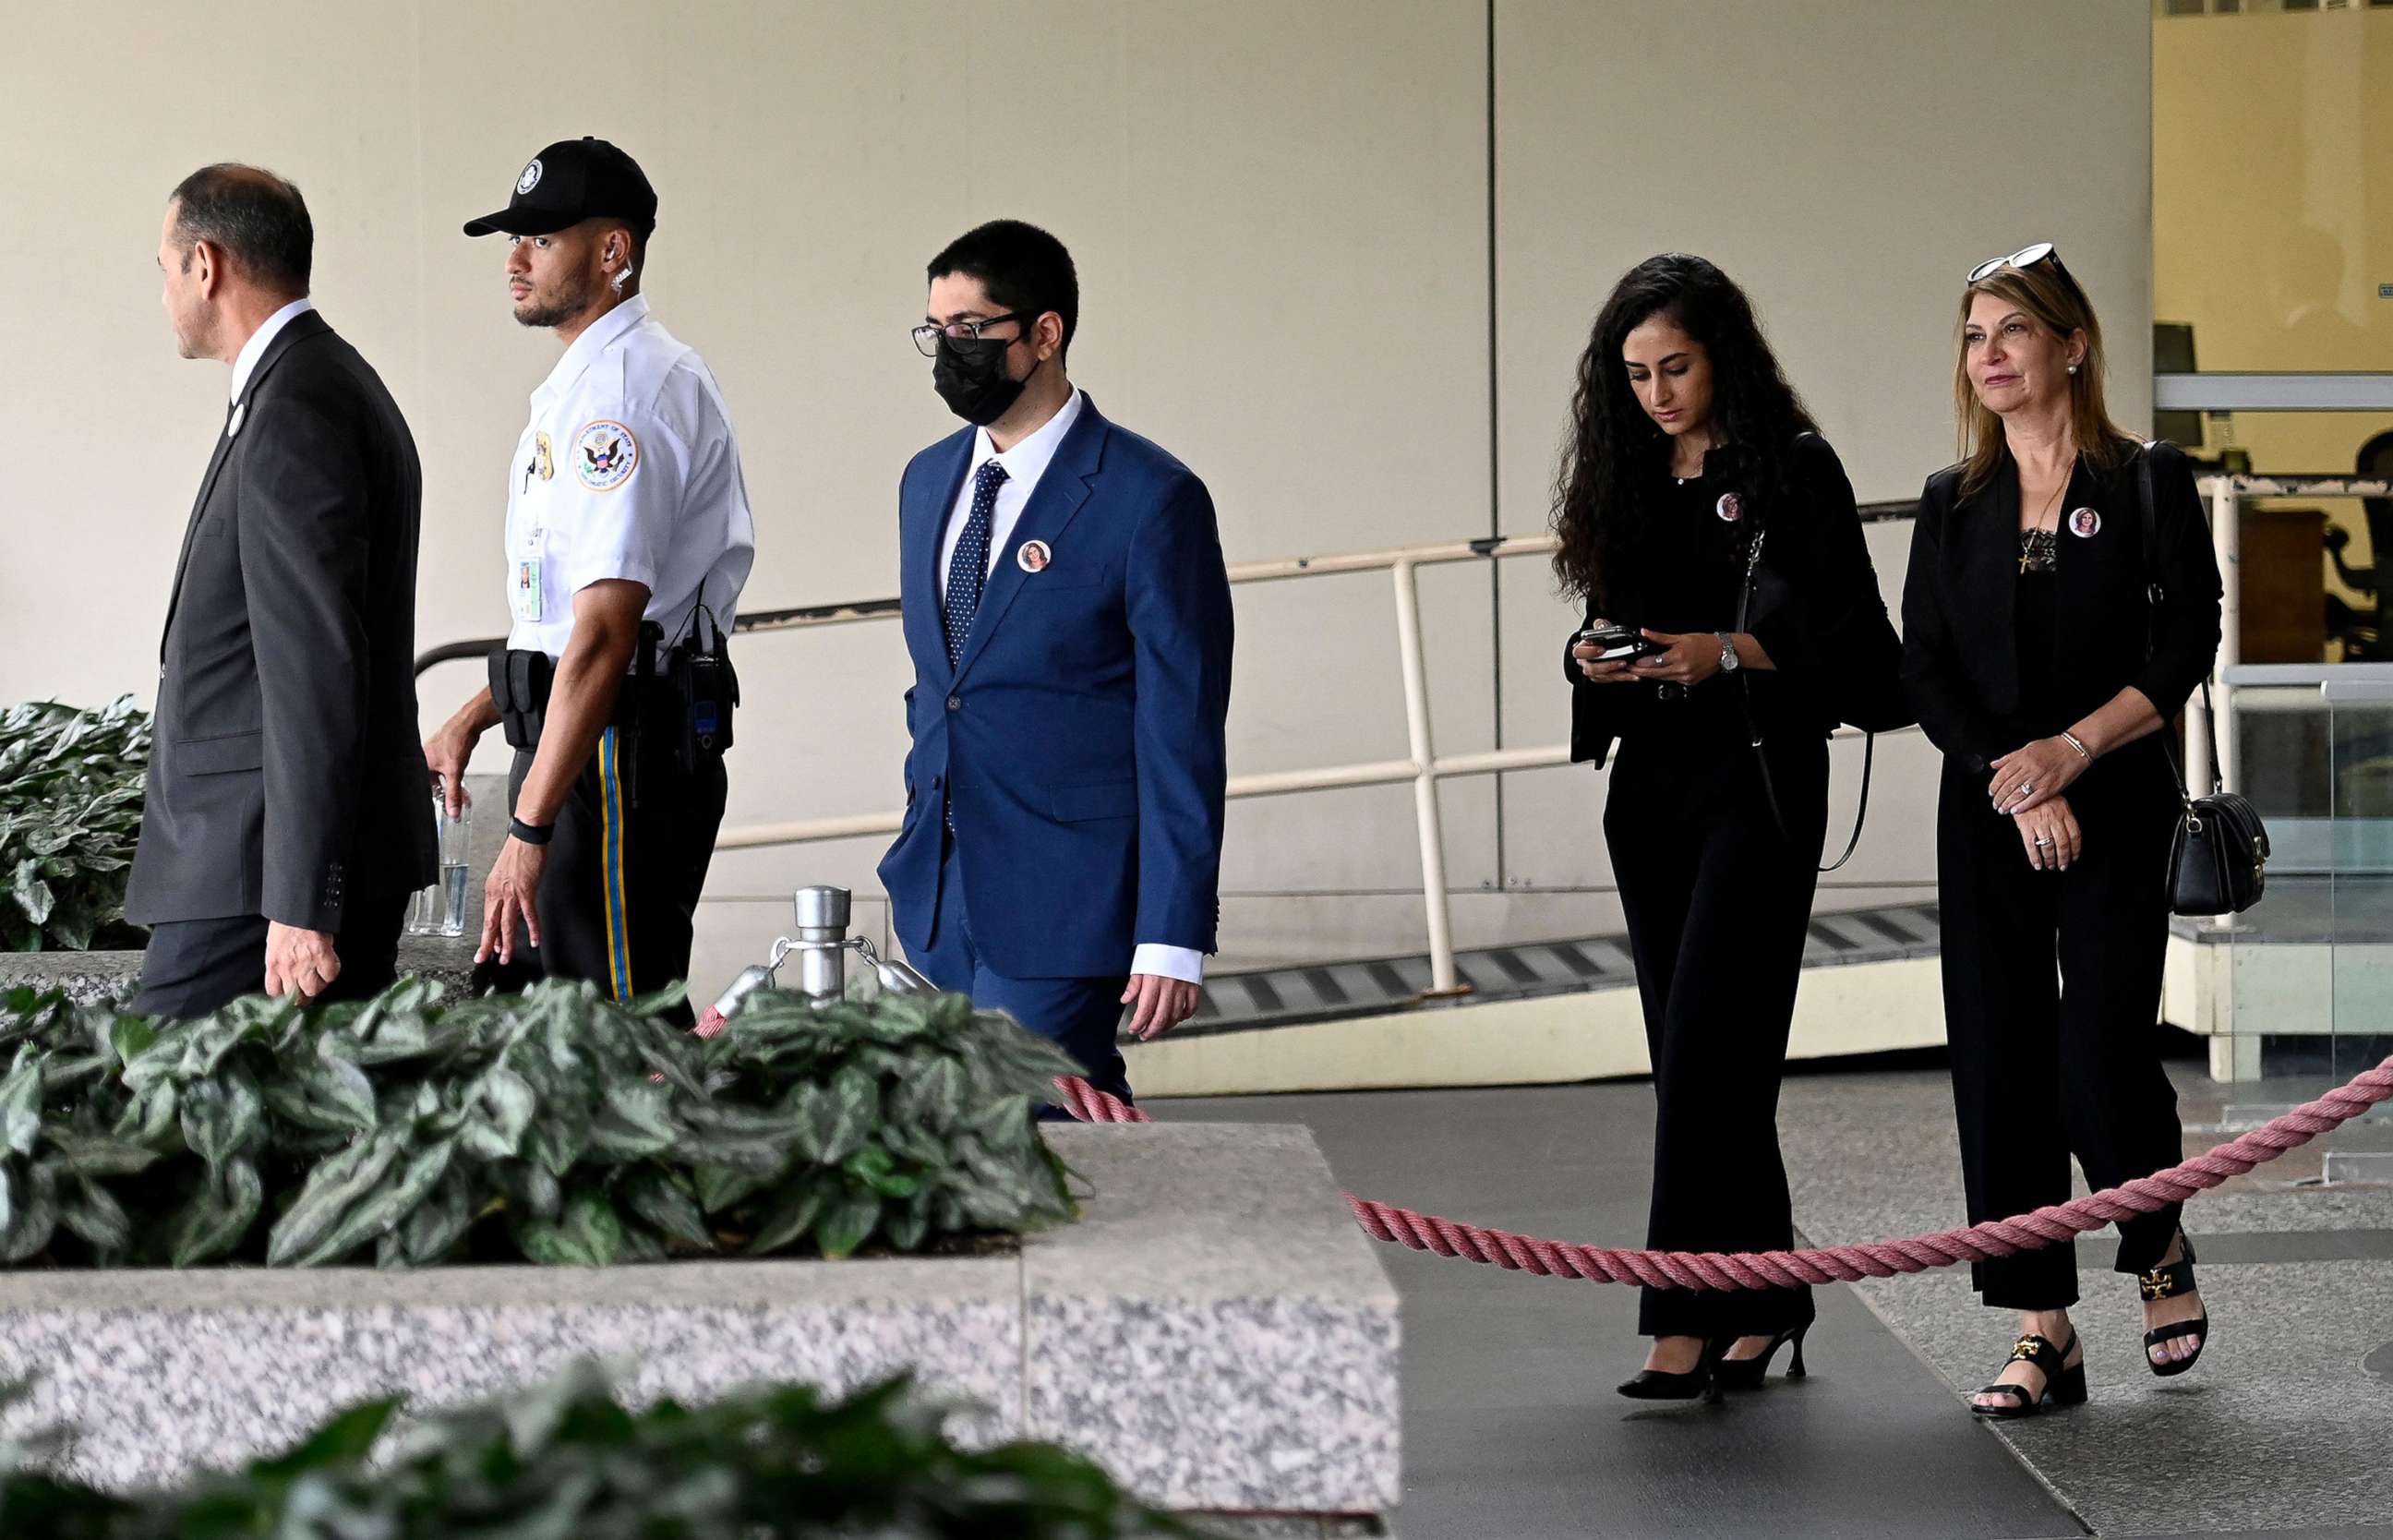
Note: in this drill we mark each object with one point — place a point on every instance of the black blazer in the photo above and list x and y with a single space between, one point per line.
1960 645
1816 573
286 778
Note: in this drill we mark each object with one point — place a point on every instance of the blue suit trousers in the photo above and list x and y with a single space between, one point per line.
1082 1015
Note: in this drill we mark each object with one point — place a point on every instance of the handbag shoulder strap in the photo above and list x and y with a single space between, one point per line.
2154 592
1753 729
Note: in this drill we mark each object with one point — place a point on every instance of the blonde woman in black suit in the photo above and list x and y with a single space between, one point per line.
2044 648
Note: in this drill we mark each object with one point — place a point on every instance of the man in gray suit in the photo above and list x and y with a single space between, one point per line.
289 813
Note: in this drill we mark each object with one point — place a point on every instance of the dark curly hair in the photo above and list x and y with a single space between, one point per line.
1617 455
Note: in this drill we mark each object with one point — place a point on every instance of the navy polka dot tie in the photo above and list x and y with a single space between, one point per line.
968 570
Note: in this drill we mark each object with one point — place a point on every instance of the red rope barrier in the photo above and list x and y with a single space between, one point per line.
1828 1264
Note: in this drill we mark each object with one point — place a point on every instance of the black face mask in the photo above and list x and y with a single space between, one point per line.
970 376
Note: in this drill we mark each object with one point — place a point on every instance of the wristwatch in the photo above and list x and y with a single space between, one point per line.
1727 652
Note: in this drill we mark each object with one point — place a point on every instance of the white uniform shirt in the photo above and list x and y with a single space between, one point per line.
628 469
1025 463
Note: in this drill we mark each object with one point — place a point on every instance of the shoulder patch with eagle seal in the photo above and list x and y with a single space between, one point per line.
604 455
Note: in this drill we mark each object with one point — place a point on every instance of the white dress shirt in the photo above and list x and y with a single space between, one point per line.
245 363
627 470
1025 463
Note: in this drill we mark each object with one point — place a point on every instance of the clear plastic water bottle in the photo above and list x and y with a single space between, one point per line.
440 909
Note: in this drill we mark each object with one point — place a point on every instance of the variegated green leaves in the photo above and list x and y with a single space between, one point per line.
551 1126
70 811
565 1459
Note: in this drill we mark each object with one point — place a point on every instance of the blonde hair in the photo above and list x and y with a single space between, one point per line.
2047 295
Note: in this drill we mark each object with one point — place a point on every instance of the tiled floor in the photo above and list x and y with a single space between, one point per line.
1513 1430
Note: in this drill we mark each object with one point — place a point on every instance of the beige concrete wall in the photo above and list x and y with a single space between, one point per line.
1280 216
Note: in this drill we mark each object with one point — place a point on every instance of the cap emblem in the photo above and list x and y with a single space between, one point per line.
531 178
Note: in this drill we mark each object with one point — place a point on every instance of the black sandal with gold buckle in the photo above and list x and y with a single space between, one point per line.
2064 1384
2166 1281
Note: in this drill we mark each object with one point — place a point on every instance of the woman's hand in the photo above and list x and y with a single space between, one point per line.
1596 669
2050 832
1691 657
2033 775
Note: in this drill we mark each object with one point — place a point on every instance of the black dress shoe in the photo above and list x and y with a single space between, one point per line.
1700 1383
1746 1374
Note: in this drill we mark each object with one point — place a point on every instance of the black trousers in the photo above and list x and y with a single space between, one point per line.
626 863
194 966
1718 900
2046 1061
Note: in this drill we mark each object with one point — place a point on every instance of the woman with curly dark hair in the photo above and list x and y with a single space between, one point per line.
1688 448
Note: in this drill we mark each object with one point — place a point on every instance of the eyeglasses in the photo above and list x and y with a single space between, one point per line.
2026 256
926 337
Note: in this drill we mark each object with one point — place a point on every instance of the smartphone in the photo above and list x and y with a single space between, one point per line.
1618 644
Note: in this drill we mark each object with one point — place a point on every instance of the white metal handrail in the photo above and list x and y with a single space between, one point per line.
1424 767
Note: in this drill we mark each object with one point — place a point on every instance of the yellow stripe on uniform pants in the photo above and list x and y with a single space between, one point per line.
610 857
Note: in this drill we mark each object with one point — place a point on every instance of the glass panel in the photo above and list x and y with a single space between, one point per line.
2362 742
2308 564
2278 957
2272 187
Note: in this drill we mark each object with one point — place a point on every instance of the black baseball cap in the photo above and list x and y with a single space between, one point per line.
570 181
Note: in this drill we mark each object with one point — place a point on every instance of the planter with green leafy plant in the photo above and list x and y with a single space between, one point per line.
566 1459
70 813
551 1126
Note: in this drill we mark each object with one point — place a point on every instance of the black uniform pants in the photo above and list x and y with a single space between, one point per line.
2049 1063
194 966
1717 901
625 865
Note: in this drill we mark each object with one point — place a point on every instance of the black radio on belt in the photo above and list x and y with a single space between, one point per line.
708 688
519 682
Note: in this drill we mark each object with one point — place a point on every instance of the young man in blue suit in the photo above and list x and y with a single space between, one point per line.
1068 615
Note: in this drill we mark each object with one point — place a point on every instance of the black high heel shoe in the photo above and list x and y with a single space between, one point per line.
1746 1374
2160 1283
1701 1382
2063 1385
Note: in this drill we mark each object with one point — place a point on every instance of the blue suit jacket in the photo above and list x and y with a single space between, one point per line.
1079 740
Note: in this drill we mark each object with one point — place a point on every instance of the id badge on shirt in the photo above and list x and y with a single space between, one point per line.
523 579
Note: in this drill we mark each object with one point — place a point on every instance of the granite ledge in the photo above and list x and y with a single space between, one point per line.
1217 1333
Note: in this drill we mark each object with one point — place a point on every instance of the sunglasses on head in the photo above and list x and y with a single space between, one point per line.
2026 256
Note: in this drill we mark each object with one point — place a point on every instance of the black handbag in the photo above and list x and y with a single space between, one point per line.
2218 859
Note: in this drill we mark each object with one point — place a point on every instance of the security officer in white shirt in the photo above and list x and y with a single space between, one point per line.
628 540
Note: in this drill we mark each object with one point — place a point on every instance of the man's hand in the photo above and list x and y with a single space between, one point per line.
1162 1004
446 753
512 892
299 962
